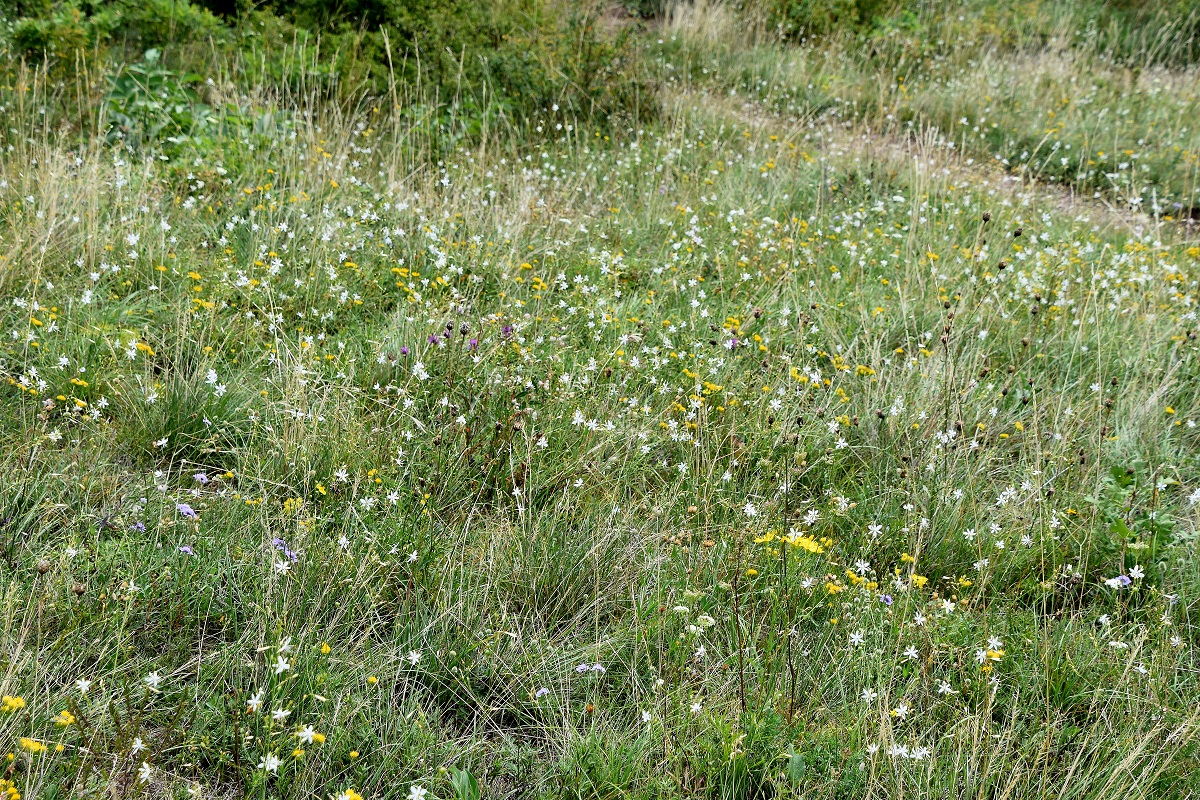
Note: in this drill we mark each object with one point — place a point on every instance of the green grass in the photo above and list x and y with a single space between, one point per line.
751 449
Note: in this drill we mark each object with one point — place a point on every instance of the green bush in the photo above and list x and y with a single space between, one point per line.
60 31
515 58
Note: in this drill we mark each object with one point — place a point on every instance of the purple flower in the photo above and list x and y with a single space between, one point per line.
474 343
433 338
187 550
404 350
186 510
582 668
1124 579
887 599
507 331
598 668
542 692
139 526
282 547
200 477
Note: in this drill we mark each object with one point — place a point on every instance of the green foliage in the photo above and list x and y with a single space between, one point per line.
147 103
63 31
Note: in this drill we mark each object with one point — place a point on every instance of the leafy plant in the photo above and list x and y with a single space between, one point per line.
146 103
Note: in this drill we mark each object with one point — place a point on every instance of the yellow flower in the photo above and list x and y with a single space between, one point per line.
805 543
11 704
32 745
325 649
64 718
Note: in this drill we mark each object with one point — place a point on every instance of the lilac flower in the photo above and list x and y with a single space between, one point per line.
507 331
473 344
887 599
186 510
187 550
582 668
282 547
433 338
139 526
542 692
404 350
200 477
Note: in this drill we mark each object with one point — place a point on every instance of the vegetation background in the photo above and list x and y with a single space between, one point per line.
410 398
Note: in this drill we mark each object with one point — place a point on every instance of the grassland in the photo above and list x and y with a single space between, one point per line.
821 425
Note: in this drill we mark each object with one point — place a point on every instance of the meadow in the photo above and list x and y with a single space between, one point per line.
692 402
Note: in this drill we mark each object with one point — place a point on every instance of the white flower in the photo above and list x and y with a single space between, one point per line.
306 734
280 714
255 702
417 792
869 695
152 680
856 638
1136 572
281 665
418 371
83 684
269 763
144 773
138 746
750 510
695 708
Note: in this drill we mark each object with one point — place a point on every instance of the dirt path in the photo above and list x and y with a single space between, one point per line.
935 158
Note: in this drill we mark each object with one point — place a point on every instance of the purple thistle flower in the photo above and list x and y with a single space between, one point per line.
404 350
507 331
473 344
